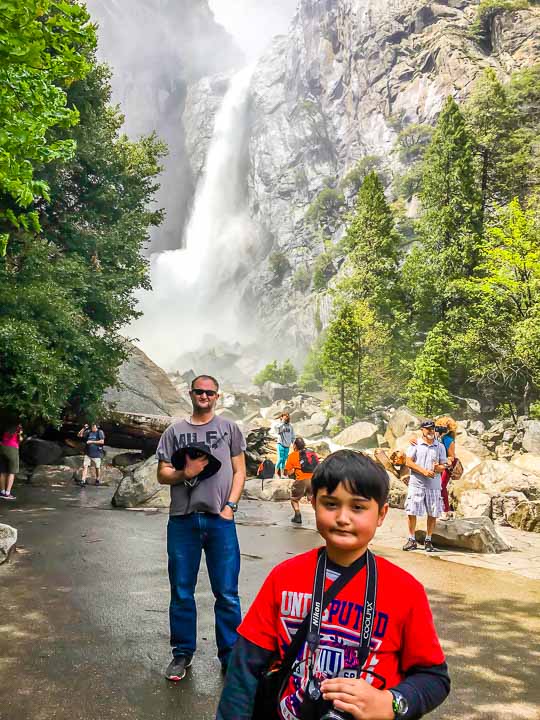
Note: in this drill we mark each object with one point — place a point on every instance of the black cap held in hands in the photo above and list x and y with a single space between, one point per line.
178 459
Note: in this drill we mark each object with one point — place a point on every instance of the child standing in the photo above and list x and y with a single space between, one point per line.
285 438
300 466
402 671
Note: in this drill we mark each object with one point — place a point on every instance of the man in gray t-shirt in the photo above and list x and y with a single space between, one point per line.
202 518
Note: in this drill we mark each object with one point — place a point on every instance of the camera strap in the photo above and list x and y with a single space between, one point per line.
370 599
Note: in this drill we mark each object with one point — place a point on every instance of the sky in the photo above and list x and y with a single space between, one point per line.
253 23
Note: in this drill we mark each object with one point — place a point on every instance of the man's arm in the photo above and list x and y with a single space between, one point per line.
417 468
168 475
245 667
239 478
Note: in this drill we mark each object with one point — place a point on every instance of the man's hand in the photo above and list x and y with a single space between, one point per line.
359 699
429 473
195 467
227 513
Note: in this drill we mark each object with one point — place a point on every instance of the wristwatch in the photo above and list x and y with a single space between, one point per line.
400 706
233 506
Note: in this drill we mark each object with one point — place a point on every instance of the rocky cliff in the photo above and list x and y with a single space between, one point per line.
156 49
328 95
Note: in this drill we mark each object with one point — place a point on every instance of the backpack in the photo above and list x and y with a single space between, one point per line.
308 461
266 470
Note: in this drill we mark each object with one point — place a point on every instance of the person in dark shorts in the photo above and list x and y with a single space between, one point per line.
93 451
294 468
9 460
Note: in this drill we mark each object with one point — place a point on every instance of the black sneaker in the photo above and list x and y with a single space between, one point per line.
410 545
297 518
177 668
428 546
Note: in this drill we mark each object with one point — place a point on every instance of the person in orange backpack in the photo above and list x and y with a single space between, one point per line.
300 465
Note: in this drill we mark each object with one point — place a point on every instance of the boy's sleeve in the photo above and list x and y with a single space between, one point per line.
259 626
420 643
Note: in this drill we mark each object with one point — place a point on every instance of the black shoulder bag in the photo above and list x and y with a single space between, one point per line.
272 681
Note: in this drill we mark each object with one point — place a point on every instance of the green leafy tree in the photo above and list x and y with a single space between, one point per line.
449 225
500 331
279 265
44 48
428 389
65 294
325 211
323 270
285 375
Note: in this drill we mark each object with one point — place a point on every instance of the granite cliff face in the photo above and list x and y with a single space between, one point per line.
156 49
327 95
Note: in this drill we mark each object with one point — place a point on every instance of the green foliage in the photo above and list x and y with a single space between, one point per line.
323 270
411 145
325 210
301 279
279 265
65 297
352 182
44 48
284 375
427 391
311 377
487 10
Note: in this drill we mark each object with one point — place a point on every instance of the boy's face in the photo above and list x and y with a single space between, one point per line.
347 522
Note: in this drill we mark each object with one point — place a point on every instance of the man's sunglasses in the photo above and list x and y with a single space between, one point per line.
208 393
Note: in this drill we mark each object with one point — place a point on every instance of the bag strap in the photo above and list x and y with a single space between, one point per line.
334 589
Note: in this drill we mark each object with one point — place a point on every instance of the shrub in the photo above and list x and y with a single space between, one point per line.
301 279
279 264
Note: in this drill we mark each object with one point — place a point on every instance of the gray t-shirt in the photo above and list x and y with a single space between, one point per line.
225 440
427 456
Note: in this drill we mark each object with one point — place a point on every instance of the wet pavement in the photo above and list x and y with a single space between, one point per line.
84 625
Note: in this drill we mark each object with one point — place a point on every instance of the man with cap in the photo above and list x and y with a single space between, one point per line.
202 459
426 460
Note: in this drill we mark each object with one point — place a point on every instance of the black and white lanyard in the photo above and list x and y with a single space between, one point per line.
368 614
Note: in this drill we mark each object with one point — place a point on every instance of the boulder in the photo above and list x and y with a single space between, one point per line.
161 499
474 503
335 424
477 534
359 436
321 447
126 459
504 505
8 541
475 427
73 461
504 451
275 391
526 516
527 461
497 478
258 422
274 410
398 492
228 415
276 490
400 423
531 437
473 445
109 475
46 475
298 415
35 451
145 388
309 429
259 445
319 418
138 486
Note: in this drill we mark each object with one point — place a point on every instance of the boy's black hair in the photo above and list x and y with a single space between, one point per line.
358 472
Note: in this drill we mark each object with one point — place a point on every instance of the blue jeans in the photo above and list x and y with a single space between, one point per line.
283 454
187 536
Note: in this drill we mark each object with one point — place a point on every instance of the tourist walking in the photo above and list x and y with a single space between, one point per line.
285 438
446 428
9 459
202 459
94 439
300 465
426 459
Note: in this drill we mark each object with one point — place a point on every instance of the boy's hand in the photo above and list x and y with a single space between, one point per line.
359 699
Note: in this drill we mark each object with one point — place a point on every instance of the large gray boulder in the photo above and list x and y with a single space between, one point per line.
50 475
474 503
403 421
502 506
531 438
8 541
275 391
145 388
36 451
476 534
109 475
494 477
398 492
473 445
526 516
359 436
309 429
275 490
527 461
138 486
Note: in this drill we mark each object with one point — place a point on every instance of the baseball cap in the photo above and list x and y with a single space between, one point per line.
427 424
178 459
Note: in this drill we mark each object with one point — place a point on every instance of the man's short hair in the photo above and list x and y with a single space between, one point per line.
359 474
205 377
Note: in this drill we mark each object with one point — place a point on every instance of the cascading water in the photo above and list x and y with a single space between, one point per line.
196 290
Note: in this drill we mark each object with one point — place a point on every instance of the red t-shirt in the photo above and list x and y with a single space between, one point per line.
403 633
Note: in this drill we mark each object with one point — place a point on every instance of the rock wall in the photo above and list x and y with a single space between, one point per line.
327 95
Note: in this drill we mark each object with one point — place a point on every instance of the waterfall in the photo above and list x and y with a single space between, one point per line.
196 290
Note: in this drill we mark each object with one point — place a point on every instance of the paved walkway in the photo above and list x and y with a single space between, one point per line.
84 631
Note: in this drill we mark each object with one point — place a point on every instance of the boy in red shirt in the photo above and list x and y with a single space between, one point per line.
405 674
